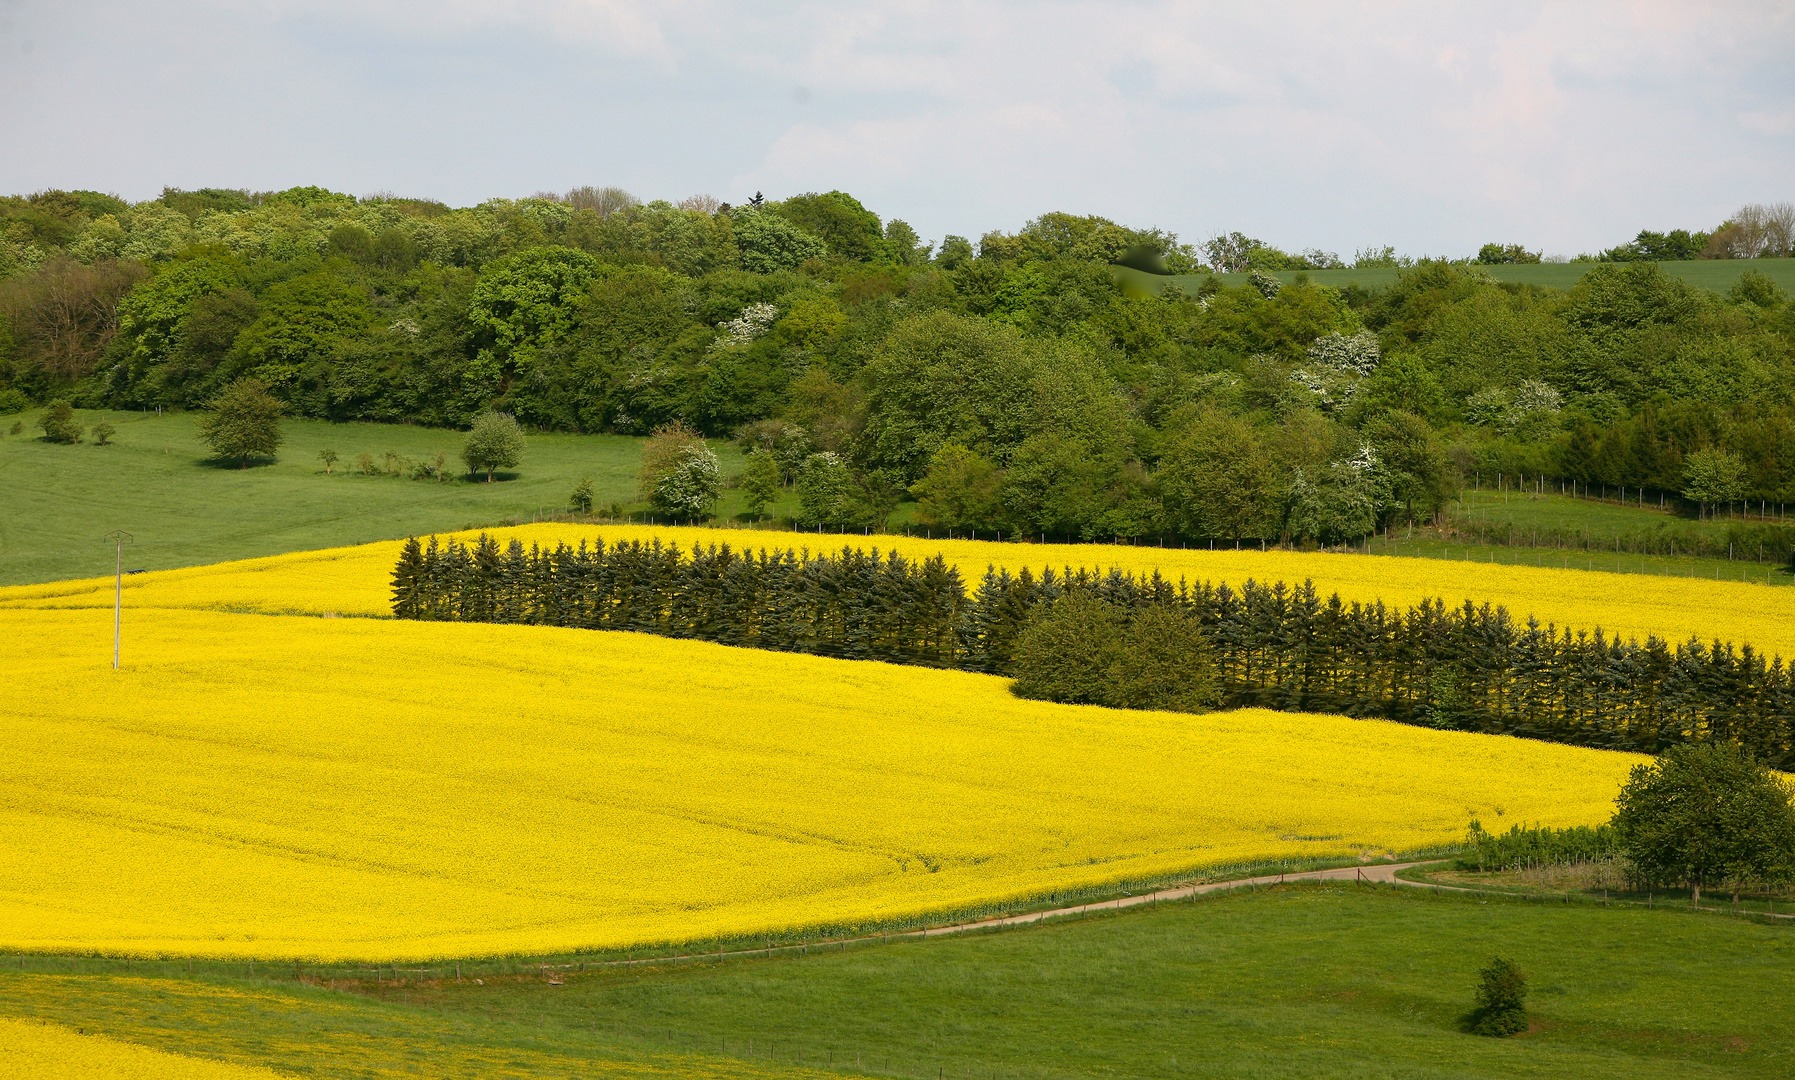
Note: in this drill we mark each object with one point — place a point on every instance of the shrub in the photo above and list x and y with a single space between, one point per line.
495 442
329 458
13 401
364 464
1501 1000
17 426
59 423
102 433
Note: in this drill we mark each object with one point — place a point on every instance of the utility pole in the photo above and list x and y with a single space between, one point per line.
120 538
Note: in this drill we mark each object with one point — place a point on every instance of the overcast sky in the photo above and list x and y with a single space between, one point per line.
1430 126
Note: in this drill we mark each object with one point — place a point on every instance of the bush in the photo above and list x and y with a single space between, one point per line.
102 433
59 423
1083 650
1501 1000
495 442
13 401
329 458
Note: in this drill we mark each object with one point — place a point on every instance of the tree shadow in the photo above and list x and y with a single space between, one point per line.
236 464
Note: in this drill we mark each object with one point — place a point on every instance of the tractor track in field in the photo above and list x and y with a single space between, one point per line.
1372 874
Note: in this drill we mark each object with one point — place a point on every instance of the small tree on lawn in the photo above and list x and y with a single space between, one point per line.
1706 814
329 458
244 422
102 433
581 499
59 423
495 442
1501 999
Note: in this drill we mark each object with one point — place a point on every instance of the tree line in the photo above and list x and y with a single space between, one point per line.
1274 646
1004 384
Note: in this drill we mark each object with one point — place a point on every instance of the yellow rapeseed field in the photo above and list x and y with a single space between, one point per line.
267 786
355 581
30 1048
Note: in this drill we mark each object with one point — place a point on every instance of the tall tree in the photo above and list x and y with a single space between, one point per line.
1707 814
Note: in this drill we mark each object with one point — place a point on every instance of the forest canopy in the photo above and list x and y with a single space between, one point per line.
1006 383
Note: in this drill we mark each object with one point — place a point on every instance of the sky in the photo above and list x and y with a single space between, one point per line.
1432 127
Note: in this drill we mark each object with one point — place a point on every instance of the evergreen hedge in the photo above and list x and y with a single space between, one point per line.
1274 646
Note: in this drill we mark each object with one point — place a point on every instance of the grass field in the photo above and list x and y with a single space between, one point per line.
1301 981
1717 275
154 481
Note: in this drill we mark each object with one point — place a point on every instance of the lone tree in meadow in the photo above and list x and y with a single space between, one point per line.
1707 814
1501 1000
244 422
1712 477
496 442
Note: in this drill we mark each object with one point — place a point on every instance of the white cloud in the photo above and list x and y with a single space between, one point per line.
1433 127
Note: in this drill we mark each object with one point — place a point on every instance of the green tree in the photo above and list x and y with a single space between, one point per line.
1713 476
1166 664
580 502
850 230
769 242
59 423
1705 814
1421 476
1218 481
661 455
1068 650
495 442
1497 254
826 491
761 480
1501 999
244 422
102 433
529 301
329 459
960 490
1083 650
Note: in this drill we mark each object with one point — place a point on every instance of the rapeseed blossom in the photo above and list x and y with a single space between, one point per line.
278 786
356 580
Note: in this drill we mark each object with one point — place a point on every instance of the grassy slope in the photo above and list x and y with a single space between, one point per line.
154 482
1335 981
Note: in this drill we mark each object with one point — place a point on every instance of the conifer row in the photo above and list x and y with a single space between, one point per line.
1275 646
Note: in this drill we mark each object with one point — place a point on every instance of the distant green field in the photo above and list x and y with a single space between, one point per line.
1302 981
1715 274
155 482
